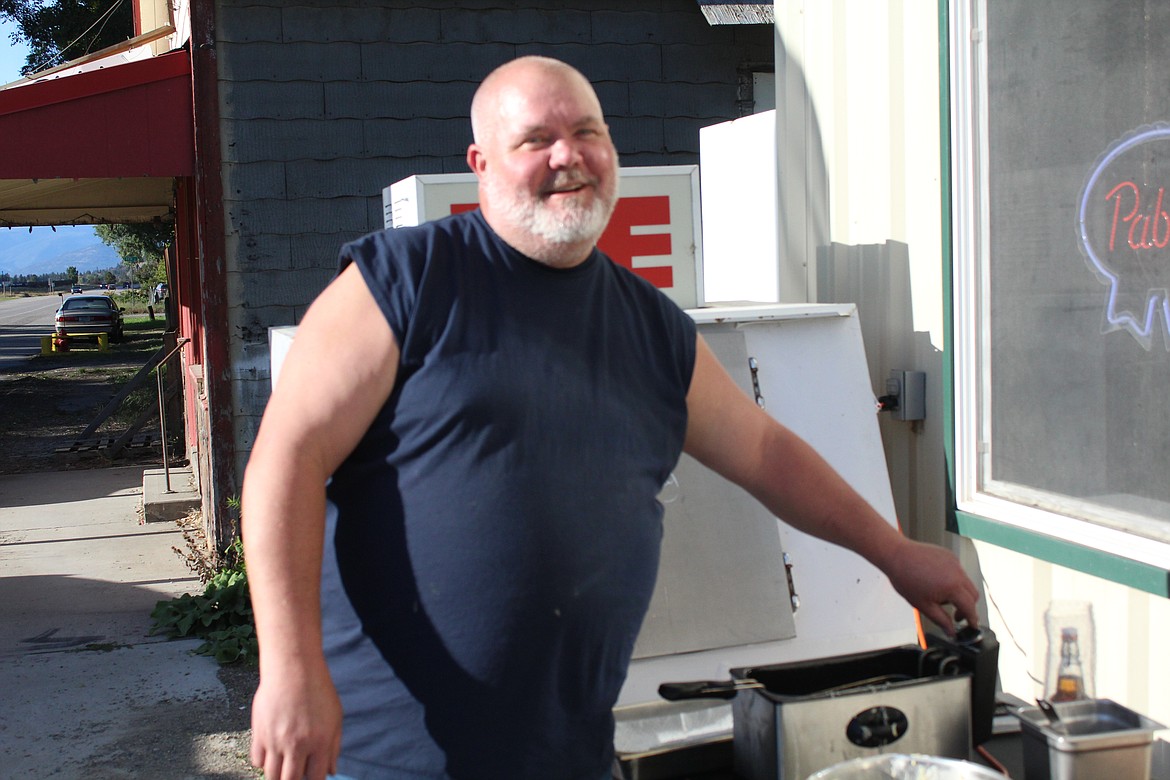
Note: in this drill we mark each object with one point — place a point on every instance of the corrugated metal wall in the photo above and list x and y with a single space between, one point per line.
325 103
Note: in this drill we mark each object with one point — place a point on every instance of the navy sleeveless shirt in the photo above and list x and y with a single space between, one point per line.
493 540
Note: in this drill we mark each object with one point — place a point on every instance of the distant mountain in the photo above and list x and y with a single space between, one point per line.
44 251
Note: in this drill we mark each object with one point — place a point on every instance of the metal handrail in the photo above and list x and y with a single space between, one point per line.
162 415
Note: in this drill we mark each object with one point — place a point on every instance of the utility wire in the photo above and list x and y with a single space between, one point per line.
108 16
1016 642
105 16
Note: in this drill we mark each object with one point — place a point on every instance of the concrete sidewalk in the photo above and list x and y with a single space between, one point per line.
86 692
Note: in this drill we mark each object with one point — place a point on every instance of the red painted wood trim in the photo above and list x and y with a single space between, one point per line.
125 121
212 251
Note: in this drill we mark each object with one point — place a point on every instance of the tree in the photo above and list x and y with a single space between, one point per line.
71 272
59 31
141 246
138 242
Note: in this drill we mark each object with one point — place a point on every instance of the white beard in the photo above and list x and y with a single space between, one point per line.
570 224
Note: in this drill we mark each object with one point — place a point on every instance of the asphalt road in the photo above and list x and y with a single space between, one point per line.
22 323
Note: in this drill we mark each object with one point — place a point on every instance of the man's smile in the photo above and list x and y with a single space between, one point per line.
568 184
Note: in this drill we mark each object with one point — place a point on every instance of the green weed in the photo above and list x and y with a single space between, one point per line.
221 615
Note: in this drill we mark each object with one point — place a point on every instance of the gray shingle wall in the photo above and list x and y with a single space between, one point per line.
325 102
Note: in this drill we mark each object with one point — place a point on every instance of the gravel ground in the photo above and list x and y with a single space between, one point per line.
48 402
185 719
169 739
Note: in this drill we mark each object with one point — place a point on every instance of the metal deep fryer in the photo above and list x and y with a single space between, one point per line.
791 720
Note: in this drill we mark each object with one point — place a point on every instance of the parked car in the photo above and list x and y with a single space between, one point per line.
88 315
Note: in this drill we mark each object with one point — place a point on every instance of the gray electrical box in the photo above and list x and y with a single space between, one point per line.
910 389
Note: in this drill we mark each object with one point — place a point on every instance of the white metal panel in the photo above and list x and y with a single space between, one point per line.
741 232
813 378
713 525
279 342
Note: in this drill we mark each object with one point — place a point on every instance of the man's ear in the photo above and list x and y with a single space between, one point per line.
475 159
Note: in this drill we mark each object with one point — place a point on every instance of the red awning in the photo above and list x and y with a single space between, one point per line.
129 120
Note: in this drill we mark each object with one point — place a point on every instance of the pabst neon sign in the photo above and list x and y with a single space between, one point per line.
1124 222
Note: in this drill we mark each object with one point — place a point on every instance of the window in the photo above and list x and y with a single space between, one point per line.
1060 133
102 304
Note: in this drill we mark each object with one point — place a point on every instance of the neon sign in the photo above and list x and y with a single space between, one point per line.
1123 219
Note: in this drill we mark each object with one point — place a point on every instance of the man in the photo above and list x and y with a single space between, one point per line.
494 406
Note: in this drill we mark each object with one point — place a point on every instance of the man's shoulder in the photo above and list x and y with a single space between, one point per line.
414 244
639 287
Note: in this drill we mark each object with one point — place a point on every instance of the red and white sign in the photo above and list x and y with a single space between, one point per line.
654 231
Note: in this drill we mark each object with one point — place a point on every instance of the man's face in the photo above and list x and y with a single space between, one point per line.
550 168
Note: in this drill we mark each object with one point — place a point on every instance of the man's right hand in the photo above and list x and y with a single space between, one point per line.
296 726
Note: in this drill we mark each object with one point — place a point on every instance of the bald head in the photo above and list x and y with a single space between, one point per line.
521 74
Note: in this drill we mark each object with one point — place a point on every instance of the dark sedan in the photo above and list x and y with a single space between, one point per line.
89 315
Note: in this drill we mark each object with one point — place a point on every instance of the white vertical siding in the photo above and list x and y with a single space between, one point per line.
871 86
871 73
869 98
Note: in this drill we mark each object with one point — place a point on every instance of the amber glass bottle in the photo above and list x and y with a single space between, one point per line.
1070 678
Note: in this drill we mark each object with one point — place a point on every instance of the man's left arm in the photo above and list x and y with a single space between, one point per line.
730 434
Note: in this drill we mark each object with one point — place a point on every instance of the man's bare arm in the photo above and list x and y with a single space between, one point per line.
730 434
337 375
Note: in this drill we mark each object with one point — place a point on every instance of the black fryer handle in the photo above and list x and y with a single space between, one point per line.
702 689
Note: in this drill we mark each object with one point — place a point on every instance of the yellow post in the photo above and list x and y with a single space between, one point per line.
46 345
103 342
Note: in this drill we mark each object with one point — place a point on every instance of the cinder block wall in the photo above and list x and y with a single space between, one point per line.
324 103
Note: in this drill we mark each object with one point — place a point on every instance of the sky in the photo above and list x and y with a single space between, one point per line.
11 60
11 55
